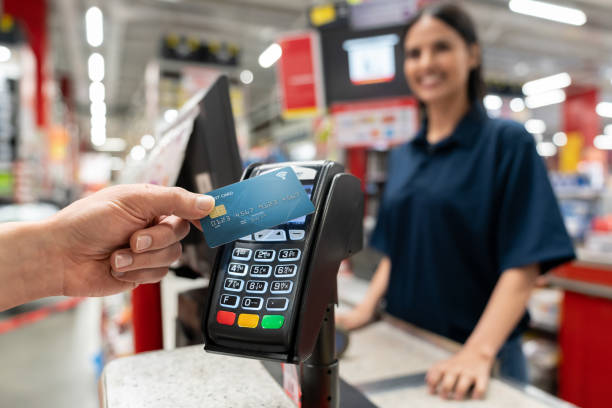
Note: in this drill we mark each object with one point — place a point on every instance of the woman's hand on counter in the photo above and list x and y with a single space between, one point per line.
469 369
364 313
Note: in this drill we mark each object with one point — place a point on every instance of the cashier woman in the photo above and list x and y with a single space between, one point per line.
106 243
468 219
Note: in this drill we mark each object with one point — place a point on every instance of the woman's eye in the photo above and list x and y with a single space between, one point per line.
442 46
412 54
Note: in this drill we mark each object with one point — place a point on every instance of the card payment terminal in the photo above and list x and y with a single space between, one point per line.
270 292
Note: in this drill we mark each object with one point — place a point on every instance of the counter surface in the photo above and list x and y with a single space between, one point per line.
189 378
386 361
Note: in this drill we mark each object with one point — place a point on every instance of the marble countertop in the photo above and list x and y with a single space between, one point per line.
188 378
386 361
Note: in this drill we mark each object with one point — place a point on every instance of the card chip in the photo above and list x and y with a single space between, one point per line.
218 211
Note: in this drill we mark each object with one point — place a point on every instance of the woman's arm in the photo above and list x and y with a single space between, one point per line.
472 365
363 313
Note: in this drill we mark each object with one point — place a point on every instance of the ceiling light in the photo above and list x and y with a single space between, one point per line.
112 144
95 67
97 109
546 84
147 141
603 142
170 115
560 139
535 126
546 149
493 102
98 136
545 99
138 153
94 26
270 55
5 53
246 77
548 11
604 109
98 121
517 105
96 92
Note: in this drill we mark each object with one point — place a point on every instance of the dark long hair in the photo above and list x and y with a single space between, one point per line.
459 20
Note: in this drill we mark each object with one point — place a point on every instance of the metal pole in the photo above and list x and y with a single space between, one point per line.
319 373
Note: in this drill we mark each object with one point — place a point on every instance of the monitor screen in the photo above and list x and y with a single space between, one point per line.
362 64
211 160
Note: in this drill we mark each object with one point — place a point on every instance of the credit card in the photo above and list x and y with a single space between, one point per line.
255 204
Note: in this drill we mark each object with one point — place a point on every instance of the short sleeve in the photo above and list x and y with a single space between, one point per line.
380 236
530 226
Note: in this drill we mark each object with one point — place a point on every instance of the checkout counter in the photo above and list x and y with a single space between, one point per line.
386 362
585 334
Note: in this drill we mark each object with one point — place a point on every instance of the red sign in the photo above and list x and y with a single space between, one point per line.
299 75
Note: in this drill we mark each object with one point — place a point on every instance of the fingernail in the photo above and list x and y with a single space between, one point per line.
123 260
205 202
143 242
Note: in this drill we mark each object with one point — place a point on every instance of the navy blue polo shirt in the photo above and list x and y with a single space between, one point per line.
456 214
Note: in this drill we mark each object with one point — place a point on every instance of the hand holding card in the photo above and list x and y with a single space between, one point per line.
255 204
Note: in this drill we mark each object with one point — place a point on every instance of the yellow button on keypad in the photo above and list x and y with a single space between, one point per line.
248 320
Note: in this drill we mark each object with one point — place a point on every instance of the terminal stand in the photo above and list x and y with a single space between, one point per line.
319 376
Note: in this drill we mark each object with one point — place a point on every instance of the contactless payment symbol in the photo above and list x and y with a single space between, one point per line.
218 211
281 174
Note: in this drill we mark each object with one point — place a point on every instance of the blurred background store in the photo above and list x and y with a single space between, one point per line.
87 86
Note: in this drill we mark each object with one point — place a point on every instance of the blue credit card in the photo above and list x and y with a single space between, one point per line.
255 204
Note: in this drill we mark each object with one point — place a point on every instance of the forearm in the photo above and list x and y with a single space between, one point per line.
378 286
503 311
28 266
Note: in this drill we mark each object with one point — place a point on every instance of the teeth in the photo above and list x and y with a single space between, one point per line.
430 79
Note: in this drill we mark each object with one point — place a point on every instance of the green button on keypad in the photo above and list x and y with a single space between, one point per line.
272 321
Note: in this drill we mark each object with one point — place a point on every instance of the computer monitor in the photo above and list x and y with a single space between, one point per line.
199 152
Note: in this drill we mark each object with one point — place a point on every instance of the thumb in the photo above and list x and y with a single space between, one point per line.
157 200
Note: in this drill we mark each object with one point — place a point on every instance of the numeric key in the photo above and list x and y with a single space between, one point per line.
241 254
252 303
264 255
285 271
237 269
261 271
233 285
281 287
254 286
285 255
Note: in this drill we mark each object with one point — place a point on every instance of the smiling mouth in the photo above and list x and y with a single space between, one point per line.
430 80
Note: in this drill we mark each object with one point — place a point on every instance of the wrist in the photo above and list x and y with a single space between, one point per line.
28 264
41 261
482 349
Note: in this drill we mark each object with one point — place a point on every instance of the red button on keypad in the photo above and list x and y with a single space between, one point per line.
226 318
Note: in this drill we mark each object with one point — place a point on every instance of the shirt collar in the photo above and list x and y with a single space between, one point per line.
465 133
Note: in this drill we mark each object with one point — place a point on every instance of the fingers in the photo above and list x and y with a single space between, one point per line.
158 200
480 388
169 231
447 385
143 276
124 260
463 385
434 375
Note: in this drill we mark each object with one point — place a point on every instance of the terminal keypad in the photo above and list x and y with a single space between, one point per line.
259 283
